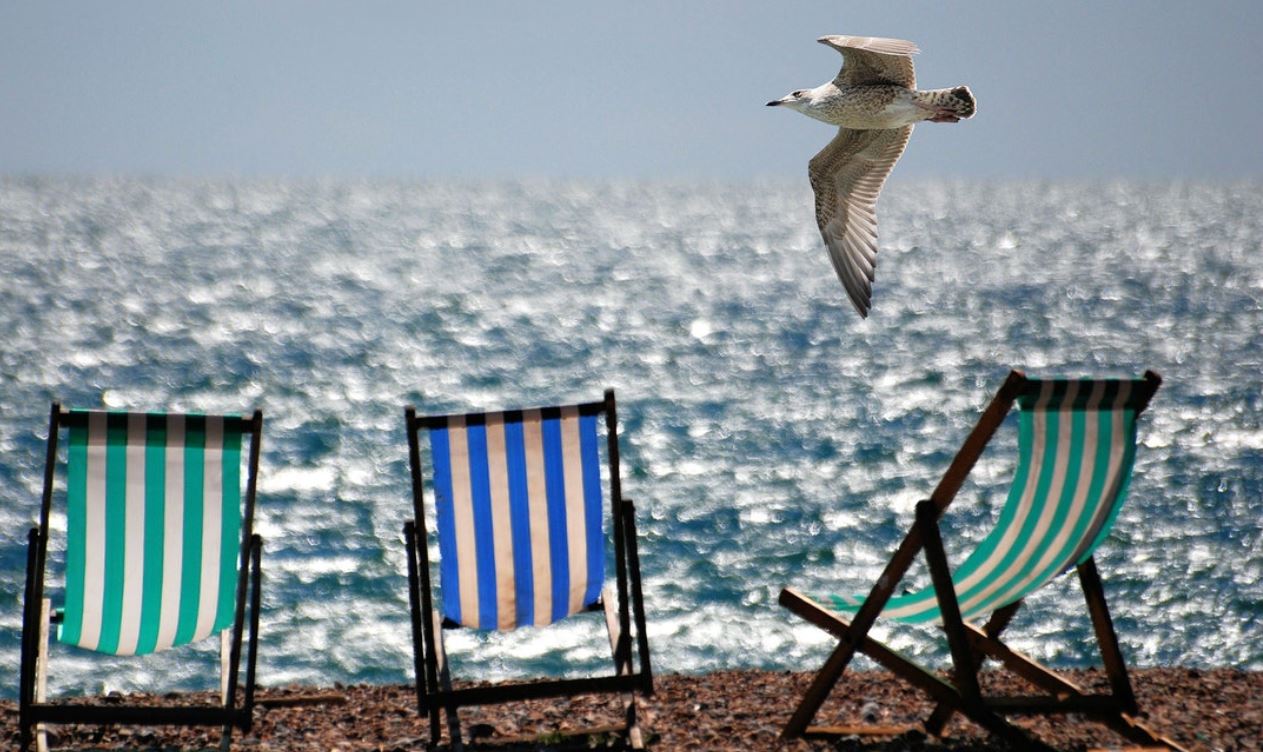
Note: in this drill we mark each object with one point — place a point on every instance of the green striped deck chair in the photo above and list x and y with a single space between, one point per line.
1076 450
159 553
521 524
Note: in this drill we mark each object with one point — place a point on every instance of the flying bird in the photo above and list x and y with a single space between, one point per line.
874 102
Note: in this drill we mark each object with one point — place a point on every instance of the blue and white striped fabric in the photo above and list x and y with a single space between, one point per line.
518 505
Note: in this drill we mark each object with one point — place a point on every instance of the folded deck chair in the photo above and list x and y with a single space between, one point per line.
158 546
1076 444
522 541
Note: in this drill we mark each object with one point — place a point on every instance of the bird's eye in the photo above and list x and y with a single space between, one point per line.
798 93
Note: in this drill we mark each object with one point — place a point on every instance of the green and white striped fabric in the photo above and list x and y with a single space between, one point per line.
1076 447
153 530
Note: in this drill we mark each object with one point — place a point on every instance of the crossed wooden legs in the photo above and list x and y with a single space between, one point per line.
622 605
969 647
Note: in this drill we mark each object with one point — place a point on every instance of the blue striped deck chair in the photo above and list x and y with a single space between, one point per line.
159 553
1076 449
523 527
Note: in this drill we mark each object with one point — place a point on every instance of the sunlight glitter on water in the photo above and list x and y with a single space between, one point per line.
770 437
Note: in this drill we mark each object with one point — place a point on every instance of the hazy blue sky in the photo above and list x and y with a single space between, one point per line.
666 88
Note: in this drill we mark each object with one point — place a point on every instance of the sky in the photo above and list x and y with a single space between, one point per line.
647 90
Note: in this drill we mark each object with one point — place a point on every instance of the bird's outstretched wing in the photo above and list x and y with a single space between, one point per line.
847 176
874 60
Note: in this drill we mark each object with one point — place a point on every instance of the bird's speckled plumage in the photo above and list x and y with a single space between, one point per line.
874 102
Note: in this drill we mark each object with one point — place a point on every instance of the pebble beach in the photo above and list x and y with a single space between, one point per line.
1204 710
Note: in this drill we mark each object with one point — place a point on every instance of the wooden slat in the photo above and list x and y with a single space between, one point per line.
225 656
618 524
637 597
1022 665
232 423
966 673
511 414
1135 731
996 625
293 701
622 664
420 591
835 625
41 672
988 423
138 715
442 692
256 604
1106 637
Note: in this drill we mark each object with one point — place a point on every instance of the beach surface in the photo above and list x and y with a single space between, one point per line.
1210 709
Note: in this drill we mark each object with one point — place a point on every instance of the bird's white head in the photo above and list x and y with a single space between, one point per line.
799 100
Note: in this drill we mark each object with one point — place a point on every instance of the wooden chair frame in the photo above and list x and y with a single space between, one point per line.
34 711
968 644
625 604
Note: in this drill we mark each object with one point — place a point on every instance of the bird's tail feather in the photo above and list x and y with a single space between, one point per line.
958 100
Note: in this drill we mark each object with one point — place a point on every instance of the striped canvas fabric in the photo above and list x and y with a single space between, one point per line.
518 507
153 530
1076 447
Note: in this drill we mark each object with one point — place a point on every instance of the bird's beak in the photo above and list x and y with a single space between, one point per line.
780 101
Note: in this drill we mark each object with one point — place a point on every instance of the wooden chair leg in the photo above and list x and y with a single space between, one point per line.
256 602
445 682
998 622
424 669
821 685
620 646
225 660
620 650
1046 679
966 671
1106 637
637 596
963 660
225 653
855 634
916 675
41 671
30 624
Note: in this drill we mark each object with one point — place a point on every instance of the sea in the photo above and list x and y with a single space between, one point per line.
769 436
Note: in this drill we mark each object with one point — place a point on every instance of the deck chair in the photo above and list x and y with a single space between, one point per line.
520 525
159 553
1076 444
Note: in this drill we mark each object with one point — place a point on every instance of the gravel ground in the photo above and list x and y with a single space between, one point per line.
1219 709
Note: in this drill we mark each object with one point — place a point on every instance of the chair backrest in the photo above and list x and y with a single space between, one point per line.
1076 449
518 507
154 534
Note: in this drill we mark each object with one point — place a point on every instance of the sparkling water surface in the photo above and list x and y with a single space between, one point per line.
769 436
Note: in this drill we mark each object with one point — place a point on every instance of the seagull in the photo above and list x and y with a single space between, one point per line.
874 102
